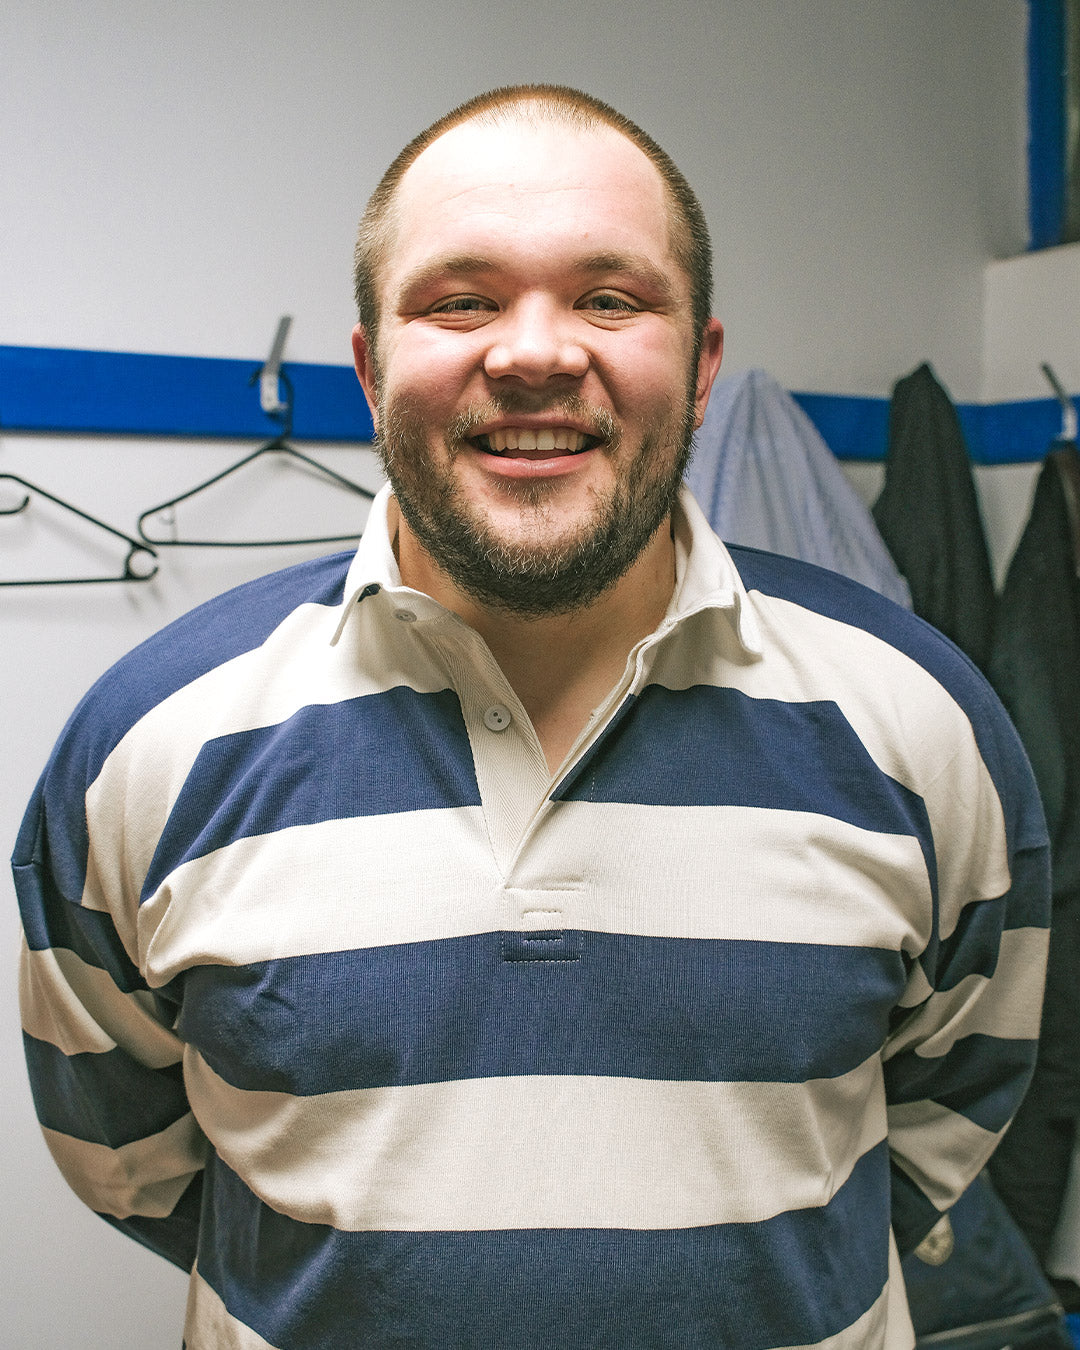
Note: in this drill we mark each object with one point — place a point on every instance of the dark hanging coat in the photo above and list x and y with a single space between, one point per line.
1035 668
929 517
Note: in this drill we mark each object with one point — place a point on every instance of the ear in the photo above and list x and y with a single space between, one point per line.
364 361
712 352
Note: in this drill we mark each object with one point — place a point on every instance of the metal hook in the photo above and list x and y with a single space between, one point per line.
268 374
278 445
1068 407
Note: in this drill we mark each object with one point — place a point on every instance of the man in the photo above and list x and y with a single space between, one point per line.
539 929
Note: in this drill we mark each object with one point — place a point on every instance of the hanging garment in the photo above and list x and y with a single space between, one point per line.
1035 667
975 1284
764 477
928 515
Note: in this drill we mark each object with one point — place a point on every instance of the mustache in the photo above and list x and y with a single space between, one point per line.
594 420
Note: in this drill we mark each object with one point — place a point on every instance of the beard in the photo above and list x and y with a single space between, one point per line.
535 573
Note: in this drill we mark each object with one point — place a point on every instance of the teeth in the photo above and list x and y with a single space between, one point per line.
546 440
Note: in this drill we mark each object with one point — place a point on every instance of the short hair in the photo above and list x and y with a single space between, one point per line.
550 103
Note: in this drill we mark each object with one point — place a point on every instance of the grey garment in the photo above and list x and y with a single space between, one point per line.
764 477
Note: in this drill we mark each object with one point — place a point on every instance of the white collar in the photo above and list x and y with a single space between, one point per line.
705 576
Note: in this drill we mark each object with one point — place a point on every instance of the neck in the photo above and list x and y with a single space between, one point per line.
561 666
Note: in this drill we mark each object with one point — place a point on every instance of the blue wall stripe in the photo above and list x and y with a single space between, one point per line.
681 1288
142 394
856 427
1046 122
852 427
672 1009
126 393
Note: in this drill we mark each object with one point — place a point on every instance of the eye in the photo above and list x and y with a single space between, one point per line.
462 304
610 302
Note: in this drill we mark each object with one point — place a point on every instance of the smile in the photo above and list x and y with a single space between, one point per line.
548 440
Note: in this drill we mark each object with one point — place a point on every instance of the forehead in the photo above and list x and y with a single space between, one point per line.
529 187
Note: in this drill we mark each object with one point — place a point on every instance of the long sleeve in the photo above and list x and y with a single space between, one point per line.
962 1046
104 1064
104 1058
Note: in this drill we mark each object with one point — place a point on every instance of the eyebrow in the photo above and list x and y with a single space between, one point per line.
632 265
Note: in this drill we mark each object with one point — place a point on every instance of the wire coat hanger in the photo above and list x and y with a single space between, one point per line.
270 377
140 563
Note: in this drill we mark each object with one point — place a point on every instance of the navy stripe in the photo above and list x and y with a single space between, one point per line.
913 1215
106 1098
974 945
406 751
175 1237
219 630
982 1078
686 1009
52 921
723 748
837 597
790 1280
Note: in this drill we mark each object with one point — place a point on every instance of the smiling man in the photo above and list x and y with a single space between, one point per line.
536 365
544 927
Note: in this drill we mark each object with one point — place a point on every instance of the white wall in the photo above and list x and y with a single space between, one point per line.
176 176
1030 313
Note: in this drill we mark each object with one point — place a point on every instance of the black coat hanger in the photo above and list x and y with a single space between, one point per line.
139 565
278 445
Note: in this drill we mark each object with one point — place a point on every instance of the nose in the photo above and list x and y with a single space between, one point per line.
535 341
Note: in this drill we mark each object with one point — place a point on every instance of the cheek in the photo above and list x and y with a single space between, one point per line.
649 377
428 371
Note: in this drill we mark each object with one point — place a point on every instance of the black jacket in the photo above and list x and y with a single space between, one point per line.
928 515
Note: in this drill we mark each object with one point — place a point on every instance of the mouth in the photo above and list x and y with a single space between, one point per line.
519 442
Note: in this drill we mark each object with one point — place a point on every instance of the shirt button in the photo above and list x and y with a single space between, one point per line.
497 718
405 615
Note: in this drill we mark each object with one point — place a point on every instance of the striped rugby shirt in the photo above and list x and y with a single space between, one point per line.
333 995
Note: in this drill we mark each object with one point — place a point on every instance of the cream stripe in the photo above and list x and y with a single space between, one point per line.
78 1009
957 1146
678 872
732 871
210 1326
918 989
1007 1005
544 1152
899 1333
146 1177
